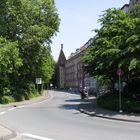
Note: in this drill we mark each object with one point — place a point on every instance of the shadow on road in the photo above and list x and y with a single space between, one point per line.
73 104
69 106
67 91
73 100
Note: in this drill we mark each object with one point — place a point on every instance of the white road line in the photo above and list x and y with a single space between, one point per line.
1 113
11 108
35 136
21 106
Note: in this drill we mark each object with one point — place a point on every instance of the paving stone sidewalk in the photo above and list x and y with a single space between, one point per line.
90 107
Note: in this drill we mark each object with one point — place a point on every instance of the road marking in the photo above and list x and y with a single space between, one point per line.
35 136
1 113
21 106
11 108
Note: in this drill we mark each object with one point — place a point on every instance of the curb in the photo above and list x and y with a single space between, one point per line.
26 102
9 136
105 117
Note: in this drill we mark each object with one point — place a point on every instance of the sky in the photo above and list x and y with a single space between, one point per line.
79 19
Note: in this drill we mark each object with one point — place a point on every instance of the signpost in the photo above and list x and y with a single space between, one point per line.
120 73
38 82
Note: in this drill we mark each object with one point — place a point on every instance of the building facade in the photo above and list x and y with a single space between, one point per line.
90 81
125 8
132 2
128 7
74 69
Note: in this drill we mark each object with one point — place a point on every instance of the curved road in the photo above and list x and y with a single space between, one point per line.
58 118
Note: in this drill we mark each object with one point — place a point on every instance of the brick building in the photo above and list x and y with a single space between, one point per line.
74 69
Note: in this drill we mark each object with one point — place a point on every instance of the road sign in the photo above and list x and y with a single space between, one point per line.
120 72
38 81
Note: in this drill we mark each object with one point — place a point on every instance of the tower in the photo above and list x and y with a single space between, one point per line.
61 69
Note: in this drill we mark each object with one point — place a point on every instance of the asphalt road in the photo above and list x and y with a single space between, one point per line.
58 118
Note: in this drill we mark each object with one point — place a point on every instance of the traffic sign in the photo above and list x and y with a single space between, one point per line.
38 81
120 72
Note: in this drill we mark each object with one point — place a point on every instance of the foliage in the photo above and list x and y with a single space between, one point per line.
116 45
26 29
111 101
10 62
7 99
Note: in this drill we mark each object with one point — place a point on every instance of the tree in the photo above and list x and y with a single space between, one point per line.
31 24
116 45
10 62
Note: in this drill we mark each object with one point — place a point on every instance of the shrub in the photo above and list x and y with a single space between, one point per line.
18 97
108 101
111 101
25 92
7 99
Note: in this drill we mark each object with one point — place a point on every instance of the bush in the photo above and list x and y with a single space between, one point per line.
25 92
31 87
31 92
108 101
29 95
18 97
111 101
7 99
6 91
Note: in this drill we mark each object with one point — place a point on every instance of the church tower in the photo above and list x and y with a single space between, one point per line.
61 69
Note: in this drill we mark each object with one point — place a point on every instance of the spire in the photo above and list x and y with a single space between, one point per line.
61 46
61 58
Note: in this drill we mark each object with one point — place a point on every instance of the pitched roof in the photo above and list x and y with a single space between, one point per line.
61 58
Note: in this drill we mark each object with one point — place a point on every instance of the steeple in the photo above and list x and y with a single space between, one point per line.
61 69
61 46
61 58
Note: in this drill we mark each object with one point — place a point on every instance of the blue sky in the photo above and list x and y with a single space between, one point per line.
78 20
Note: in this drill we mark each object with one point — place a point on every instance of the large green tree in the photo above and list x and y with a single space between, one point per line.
31 24
116 45
10 62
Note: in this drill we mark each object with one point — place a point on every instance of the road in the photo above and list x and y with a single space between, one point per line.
58 118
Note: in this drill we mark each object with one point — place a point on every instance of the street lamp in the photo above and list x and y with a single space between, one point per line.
120 73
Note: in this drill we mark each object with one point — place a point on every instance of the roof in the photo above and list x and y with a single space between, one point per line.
61 58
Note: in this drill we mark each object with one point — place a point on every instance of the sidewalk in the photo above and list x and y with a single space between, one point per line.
90 107
6 133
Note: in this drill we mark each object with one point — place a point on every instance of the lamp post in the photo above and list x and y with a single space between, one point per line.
120 73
